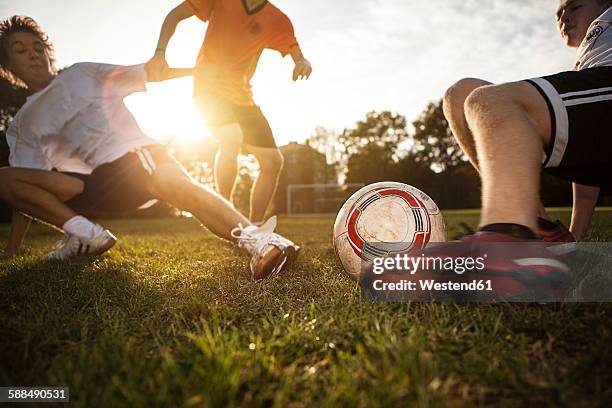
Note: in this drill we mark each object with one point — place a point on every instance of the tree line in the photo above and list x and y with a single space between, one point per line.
383 146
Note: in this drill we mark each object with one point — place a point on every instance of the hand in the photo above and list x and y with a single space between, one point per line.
302 69
157 68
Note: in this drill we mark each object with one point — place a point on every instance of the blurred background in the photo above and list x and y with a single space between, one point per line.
370 112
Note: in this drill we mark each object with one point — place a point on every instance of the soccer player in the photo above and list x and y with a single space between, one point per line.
560 122
77 124
238 31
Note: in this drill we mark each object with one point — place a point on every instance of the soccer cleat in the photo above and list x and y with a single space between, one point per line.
71 246
270 252
518 269
561 239
555 233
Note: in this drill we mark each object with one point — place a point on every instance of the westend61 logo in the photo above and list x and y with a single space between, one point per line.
411 264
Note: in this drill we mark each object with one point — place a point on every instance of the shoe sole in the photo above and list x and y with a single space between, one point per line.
292 253
104 248
285 258
107 246
563 249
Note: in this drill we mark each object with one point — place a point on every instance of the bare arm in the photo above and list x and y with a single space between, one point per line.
585 200
302 69
178 14
19 228
157 66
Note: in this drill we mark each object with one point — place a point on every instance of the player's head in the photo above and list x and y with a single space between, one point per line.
575 16
26 54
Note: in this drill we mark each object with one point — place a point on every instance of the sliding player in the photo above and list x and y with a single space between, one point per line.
77 124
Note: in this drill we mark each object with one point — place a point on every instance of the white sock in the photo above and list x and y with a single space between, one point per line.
80 226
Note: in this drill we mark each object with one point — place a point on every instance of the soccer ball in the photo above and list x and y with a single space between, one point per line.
399 216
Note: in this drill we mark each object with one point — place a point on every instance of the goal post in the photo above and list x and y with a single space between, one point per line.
312 200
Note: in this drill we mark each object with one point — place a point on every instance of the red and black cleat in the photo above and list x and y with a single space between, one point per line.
554 231
489 266
557 234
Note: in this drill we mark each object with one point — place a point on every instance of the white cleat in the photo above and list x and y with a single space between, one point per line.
270 252
72 246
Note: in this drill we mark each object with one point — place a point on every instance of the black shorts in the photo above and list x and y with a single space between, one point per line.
122 185
218 111
580 106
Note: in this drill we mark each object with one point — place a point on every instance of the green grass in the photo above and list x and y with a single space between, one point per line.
170 318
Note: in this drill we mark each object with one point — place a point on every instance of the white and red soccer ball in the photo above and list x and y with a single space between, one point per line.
399 216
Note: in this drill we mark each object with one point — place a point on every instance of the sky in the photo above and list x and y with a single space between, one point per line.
366 55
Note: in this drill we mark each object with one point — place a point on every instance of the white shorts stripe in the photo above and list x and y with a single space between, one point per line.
149 158
587 92
143 161
561 122
542 262
582 101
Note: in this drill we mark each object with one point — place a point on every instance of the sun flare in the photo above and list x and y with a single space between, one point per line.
167 109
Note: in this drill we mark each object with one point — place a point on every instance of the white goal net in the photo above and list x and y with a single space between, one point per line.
318 199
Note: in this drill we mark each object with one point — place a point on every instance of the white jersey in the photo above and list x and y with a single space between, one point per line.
596 48
79 121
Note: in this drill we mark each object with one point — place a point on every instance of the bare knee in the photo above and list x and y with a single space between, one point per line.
229 139
485 101
455 96
271 163
228 150
18 185
511 104
15 190
494 102
7 184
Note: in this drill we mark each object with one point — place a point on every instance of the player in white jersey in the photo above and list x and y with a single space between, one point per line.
511 131
584 26
76 148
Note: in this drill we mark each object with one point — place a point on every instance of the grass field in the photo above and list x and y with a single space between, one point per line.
170 318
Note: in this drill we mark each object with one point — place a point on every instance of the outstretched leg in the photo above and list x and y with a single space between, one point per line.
172 184
269 251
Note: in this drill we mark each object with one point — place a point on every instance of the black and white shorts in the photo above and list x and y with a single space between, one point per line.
580 105
218 111
122 185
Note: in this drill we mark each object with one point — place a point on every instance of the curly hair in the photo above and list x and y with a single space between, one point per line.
16 24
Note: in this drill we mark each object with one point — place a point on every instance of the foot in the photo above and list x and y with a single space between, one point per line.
562 240
72 246
518 269
270 252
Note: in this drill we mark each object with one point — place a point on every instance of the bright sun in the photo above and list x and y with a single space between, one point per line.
167 109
